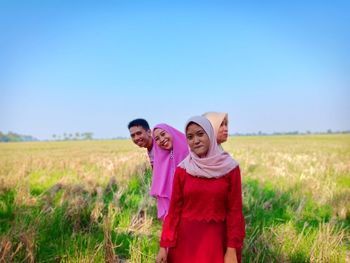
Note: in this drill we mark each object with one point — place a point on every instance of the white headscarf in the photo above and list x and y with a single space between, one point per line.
215 118
216 163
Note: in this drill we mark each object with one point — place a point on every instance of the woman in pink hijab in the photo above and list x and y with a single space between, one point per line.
205 222
170 148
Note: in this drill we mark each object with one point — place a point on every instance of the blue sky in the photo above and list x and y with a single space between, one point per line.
76 66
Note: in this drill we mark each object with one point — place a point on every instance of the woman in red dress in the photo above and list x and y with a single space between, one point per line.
205 222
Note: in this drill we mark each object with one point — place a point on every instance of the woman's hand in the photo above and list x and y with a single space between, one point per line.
162 255
230 255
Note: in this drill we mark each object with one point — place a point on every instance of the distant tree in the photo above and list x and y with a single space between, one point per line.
87 135
329 131
3 137
14 137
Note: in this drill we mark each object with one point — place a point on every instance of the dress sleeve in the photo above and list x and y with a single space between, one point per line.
235 230
171 222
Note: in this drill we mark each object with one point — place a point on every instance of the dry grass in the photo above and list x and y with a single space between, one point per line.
99 190
317 166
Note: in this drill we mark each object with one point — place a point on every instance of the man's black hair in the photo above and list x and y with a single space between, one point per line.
139 122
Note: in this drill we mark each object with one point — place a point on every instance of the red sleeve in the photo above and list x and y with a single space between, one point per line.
169 232
235 230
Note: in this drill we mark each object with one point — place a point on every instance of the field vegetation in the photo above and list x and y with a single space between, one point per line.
88 201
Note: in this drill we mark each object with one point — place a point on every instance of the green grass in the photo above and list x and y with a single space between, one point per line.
86 201
6 210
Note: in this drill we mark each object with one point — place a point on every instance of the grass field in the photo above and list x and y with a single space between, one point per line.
87 201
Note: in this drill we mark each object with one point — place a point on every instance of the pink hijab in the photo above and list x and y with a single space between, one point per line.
164 166
217 163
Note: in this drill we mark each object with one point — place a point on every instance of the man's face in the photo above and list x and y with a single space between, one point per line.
140 136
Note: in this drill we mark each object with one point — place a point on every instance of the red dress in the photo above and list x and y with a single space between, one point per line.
205 217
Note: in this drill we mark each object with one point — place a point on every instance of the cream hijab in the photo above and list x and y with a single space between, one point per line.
215 119
216 163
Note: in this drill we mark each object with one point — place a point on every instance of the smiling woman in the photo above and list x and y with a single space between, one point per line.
170 148
163 139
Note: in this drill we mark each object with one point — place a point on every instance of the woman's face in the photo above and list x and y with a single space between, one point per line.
163 139
197 139
223 131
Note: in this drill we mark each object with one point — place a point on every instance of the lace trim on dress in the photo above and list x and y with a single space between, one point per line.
206 219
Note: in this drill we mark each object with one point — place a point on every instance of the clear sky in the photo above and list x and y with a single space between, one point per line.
77 66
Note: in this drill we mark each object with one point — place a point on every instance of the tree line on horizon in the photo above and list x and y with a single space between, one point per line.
77 136
260 133
15 137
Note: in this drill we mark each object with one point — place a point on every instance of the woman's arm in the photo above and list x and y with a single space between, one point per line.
162 255
169 231
230 255
235 230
